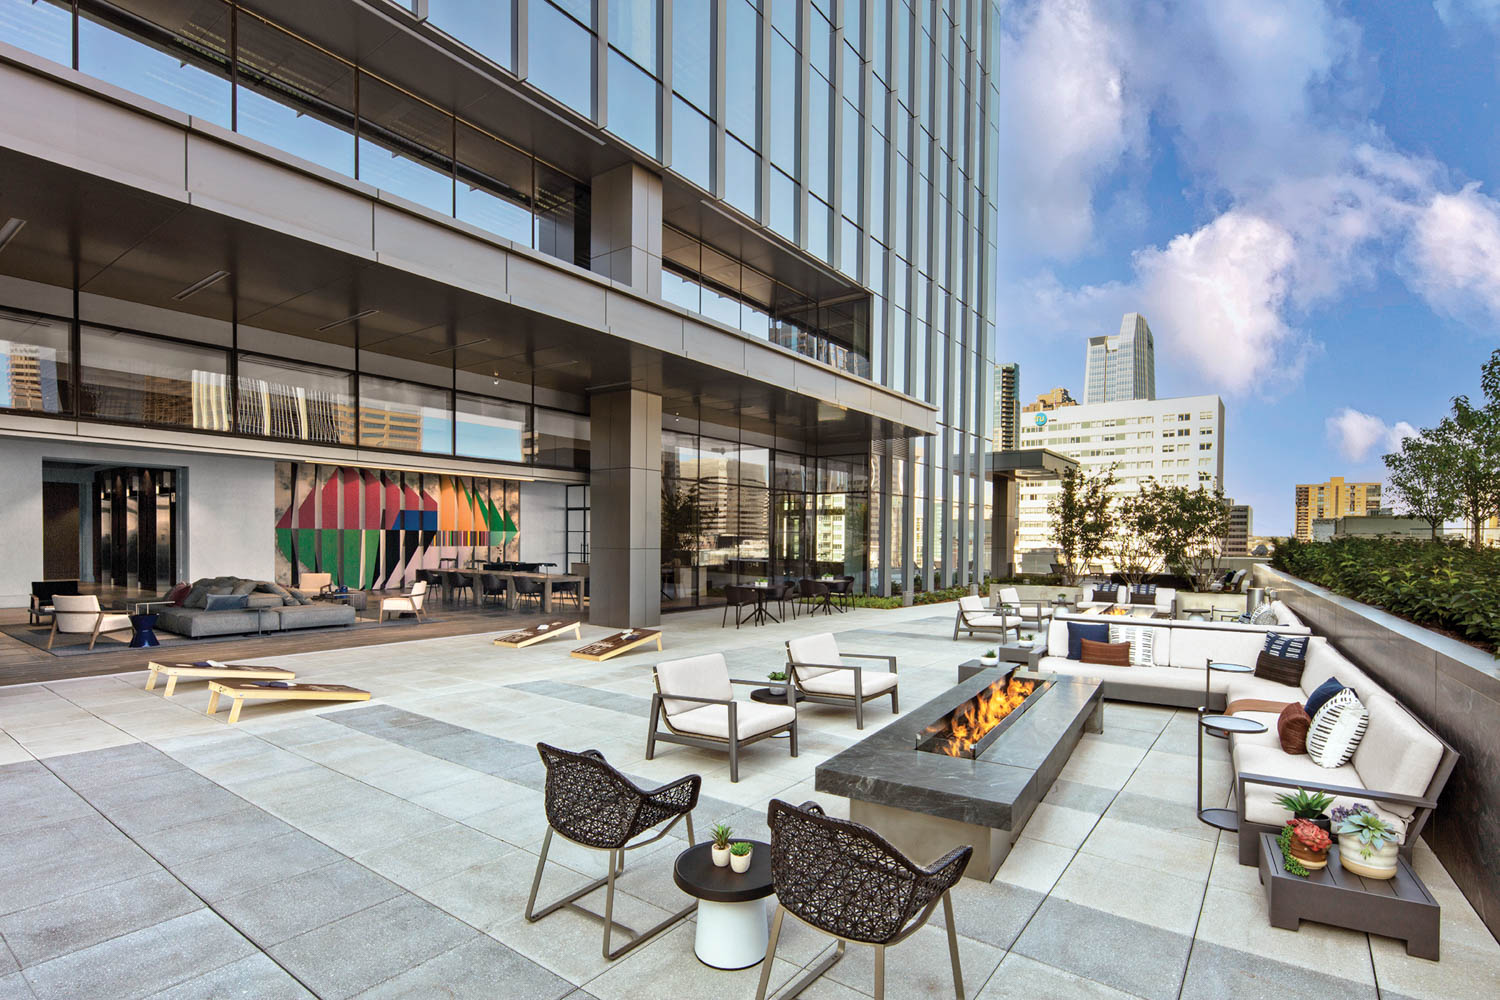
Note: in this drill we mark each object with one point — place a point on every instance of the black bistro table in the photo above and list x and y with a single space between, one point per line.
732 925
1219 817
764 592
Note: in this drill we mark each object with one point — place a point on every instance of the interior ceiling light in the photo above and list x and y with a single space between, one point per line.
200 284
458 347
348 319
9 230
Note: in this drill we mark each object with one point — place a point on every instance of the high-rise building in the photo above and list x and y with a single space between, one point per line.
1178 441
1121 366
1052 400
1241 526
1334 498
1007 406
542 242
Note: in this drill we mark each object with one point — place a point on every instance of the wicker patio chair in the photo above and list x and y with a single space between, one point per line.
816 668
594 805
844 879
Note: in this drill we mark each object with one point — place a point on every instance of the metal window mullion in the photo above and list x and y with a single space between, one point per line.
520 50
601 64
717 97
908 524
664 73
804 125
836 138
763 124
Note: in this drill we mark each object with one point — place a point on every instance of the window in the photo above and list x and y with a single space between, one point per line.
742 72
405 145
560 439
692 144
741 177
41 28
281 399
494 185
404 416
632 30
784 112
561 55
179 60
34 354
692 52
634 97
294 96
132 379
482 25
491 428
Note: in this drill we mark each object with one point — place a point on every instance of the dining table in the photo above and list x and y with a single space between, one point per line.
547 580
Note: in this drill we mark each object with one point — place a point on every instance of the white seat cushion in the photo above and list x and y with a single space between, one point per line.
992 621
972 603
841 682
1269 738
821 648
113 623
705 676
1397 754
1173 678
752 717
397 604
1260 800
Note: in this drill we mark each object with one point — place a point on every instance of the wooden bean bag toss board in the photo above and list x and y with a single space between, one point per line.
211 669
620 642
240 690
542 630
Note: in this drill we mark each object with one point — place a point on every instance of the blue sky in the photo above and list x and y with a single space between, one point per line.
1300 196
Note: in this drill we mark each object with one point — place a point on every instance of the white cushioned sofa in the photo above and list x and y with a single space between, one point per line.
1398 769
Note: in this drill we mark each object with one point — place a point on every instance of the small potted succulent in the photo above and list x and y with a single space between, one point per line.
739 857
989 657
1367 843
778 682
720 849
1303 804
1307 844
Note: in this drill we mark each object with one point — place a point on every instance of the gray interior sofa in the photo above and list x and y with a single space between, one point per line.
268 608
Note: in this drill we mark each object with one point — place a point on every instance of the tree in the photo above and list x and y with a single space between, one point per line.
1192 530
1134 543
1471 436
1080 519
1422 478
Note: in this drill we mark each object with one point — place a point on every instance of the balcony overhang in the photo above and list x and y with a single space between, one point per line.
1030 464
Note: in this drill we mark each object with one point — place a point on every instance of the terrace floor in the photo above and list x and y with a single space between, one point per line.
386 849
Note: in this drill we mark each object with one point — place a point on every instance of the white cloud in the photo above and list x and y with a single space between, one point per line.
1458 13
1356 434
1454 254
1066 123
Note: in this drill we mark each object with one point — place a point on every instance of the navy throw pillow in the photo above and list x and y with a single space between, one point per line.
1077 633
1320 697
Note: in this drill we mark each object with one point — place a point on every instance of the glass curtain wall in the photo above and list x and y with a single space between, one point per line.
239 69
735 513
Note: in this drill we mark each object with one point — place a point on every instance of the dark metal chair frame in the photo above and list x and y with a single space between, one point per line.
968 623
820 593
527 588
620 811
859 697
839 895
733 742
737 598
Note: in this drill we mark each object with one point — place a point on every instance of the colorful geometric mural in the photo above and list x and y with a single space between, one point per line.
374 528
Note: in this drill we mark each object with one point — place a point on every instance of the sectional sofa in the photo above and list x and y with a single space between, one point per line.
268 608
1399 767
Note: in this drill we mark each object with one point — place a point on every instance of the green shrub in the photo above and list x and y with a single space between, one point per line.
1442 584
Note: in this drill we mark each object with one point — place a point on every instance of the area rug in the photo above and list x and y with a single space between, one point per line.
73 645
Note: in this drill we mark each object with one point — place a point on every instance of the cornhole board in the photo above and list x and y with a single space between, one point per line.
538 632
620 642
211 669
240 690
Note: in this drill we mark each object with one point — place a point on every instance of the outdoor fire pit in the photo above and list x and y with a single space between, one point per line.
968 767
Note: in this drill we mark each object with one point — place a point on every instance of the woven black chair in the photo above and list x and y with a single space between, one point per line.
818 593
593 805
787 596
844 879
528 590
736 598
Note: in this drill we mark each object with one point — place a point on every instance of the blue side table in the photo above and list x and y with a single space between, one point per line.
143 626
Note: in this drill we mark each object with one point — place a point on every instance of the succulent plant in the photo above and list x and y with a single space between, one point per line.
776 675
1310 835
739 848
1372 832
1304 804
721 834
1338 814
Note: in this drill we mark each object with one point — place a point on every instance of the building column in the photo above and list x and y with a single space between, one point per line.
1007 523
625 227
625 509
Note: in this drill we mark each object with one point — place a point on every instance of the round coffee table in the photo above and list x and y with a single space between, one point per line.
771 697
1219 817
732 926
142 627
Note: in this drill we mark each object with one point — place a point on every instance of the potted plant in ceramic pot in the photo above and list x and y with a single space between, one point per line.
778 682
989 658
1312 806
1367 843
1307 844
720 849
739 857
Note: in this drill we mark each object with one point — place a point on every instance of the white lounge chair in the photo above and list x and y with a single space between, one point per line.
816 668
313 584
408 603
80 615
974 617
695 699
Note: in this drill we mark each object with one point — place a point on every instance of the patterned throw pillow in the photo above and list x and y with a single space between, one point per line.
1263 614
1282 659
1142 643
1321 694
1110 654
1291 729
1143 593
1336 730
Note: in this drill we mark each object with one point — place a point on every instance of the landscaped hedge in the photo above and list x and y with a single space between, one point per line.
1440 584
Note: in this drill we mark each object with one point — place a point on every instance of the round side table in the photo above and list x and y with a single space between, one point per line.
770 697
732 926
1223 668
143 627
1219 817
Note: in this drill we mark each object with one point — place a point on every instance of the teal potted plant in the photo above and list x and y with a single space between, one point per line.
778 682
739 857
1311 806
719 850
1367 843
989 657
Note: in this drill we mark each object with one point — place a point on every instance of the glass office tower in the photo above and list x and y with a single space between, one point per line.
805 189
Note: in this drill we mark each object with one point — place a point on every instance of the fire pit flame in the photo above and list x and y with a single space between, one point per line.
960 734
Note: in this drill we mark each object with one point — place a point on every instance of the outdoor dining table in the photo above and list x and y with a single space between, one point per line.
510 578
840 587
764 592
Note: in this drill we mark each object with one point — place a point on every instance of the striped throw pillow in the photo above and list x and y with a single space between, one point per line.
1142 643
1337 729
1264 614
